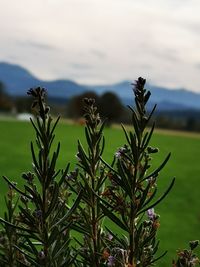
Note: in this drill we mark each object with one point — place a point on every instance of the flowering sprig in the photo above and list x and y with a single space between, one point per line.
9 237
133 186
90 179
187 257
44 215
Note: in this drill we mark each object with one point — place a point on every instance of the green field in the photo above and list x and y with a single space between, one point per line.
180 211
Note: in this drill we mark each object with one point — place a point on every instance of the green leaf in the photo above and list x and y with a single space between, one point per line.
109 166
31 259
16 226
114 218
80 229
146 141
150 198
88 137
54 200
158 258
124 181
126 134
85 164
62 248
28 216
64 174
115 236
30 247
134 147
55 124
146 97
53 236
36 129
156 172
33 156
150 115
70 212
160 199
144 196
101 181
16 188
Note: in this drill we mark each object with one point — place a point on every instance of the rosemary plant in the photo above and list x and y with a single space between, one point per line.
36 228
90 180
8 234
132 191
44 215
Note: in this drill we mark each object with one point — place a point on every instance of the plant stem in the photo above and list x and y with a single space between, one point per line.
94 200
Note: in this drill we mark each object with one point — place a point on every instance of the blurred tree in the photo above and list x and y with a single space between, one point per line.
110 107
23 104
2 87
191 124
75 107
5 101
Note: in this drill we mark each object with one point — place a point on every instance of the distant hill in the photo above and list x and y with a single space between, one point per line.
167 99
18 80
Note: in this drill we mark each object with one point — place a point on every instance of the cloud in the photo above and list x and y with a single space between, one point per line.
98 53
80 66
197 65
37 45
104 41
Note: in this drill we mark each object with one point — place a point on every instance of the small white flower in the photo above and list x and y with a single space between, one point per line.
78 157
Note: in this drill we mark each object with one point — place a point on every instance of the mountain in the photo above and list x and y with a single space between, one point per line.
18 80
176 99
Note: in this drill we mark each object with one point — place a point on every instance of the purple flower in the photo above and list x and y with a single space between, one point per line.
111 261
151 214
41 255
120 152
72 175
37 214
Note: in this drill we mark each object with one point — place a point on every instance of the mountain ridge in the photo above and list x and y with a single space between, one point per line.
18 80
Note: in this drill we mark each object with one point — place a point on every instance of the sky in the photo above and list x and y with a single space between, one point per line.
104 41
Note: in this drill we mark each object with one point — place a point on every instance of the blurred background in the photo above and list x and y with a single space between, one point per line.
73 47
98 48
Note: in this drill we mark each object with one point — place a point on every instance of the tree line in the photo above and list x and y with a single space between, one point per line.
109 105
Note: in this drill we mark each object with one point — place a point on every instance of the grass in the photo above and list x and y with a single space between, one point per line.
180 212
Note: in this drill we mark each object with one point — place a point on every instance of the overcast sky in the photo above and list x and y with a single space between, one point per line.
104 41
